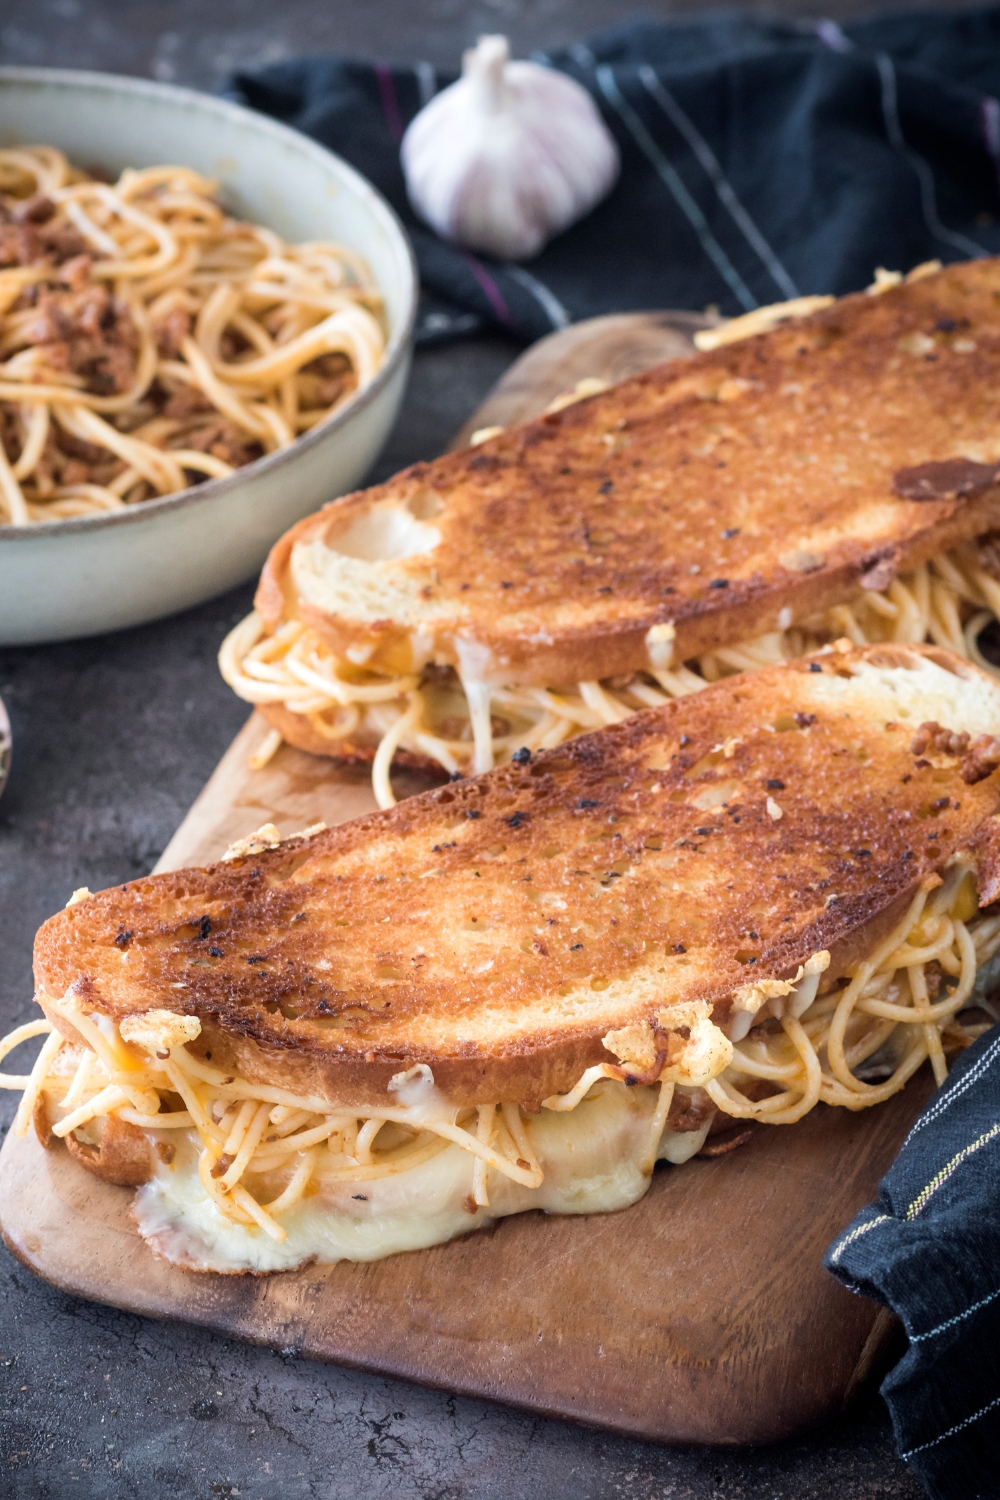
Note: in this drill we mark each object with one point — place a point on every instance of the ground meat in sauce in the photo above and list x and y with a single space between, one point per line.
689 1111
77 326
88 332
982 759
325 381
187 402
224 440
171 331
24 243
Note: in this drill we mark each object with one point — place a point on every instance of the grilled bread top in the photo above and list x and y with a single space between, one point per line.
497 928
711 494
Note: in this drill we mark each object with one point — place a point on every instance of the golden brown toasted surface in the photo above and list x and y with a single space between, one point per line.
498 927
712 493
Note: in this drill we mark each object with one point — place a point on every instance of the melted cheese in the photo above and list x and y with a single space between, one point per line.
592 1159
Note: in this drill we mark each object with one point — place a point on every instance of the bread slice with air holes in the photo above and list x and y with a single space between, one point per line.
693 507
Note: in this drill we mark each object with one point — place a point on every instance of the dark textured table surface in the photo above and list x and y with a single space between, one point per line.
113 739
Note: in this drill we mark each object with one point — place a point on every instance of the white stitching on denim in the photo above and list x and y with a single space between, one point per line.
668 175
951 1430
547 299
924 174
987 1060
700 148
916 1338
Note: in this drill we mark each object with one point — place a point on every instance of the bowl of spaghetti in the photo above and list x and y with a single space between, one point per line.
205 333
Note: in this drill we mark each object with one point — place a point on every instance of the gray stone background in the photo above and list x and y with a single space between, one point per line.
114 737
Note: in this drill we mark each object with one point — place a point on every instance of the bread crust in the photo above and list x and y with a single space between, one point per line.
122 1156
296 730
497 928
711 494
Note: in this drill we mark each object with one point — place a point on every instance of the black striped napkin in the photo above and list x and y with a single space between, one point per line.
929 1249
760 160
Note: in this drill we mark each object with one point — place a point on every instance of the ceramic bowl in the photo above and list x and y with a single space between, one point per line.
69 578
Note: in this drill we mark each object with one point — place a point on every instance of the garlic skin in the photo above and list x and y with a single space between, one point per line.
508 156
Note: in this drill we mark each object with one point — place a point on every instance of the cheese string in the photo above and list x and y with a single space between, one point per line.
295 668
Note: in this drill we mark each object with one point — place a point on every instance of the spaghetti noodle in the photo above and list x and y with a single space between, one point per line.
949 601
260 1148
149 342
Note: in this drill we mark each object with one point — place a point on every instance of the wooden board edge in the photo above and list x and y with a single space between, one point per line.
885 1329
136 1297
555 363
233 763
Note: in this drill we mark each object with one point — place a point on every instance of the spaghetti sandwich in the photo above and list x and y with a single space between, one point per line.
523 989
826 470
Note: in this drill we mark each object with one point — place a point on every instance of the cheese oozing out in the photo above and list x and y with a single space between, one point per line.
467 717
595 1160
249 1177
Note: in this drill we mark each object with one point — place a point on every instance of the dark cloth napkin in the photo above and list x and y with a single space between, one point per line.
760 160
929 1249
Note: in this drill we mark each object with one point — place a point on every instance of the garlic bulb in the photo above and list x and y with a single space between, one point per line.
508 156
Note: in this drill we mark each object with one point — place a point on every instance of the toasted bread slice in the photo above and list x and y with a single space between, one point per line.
715 499
500 929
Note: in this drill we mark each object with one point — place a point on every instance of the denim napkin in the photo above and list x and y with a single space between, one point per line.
760 160
929 1249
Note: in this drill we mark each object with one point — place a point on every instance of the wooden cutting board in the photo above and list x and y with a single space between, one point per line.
702 1314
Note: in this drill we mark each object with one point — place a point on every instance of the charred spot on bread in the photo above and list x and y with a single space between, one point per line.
944 479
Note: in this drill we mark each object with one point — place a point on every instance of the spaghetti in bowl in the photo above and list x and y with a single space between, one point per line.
191 356
148 340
